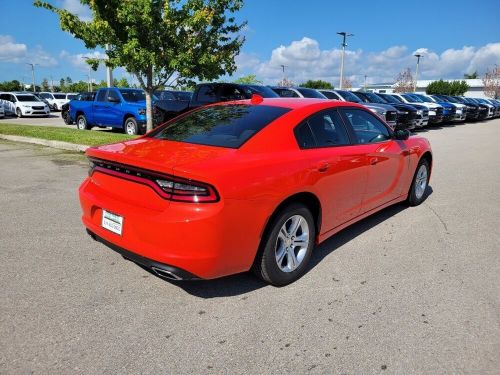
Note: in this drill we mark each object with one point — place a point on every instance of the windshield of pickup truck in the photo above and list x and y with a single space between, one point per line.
374 98
221 125
311 93
389 98
133 96
412 98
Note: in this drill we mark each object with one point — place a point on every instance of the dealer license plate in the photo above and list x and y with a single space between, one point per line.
112 222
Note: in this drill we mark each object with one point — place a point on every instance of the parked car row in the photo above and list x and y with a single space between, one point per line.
412 110
26 103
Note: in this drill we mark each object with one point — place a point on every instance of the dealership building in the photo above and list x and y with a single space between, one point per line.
476 87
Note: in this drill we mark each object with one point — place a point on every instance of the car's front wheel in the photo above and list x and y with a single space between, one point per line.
81 123
131 127
19 113
286 246
419 184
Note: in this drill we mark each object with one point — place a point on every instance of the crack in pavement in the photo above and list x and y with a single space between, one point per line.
439 218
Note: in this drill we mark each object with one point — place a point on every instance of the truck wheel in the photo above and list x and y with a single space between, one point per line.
131 127
81 123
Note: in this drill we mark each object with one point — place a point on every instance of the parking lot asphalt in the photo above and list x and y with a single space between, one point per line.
407 291
54 119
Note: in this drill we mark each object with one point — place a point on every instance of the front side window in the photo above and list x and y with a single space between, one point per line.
231 93
101 96
367 128
221 125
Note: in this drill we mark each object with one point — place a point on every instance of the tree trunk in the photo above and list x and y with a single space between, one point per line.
149 110
149 101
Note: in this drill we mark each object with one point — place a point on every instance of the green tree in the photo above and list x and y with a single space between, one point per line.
122 82
62 85
10 85
250 79
317 84
79 86
471 75
45 85
160 41
447 88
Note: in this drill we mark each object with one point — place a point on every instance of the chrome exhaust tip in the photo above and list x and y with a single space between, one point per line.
166 274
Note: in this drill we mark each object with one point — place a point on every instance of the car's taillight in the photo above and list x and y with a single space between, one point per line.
187 190
168 187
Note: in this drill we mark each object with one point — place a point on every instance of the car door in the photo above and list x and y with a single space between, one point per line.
113 115
99 108
338 167
386 159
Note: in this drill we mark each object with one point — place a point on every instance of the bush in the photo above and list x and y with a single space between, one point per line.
441 87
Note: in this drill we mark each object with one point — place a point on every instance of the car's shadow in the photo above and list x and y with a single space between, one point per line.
246 282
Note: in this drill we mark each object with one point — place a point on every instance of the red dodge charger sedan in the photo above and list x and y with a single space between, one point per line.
252 184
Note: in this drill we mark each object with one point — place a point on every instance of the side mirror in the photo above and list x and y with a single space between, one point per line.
113 99
401 135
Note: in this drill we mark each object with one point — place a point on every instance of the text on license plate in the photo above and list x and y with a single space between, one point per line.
112 222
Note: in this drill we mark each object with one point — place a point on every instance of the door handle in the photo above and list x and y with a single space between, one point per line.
323 167
373 161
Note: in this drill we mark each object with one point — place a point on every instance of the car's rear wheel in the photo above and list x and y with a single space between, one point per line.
419 184
81 123
286 246
131 127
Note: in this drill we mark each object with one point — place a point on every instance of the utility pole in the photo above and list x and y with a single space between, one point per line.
33 74
88 75
418 56
109 71
284 76
344 35
51 84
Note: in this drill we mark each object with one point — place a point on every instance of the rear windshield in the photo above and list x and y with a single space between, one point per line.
133 96
223 125
310 93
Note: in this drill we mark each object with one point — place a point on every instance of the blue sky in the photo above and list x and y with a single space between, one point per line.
455 37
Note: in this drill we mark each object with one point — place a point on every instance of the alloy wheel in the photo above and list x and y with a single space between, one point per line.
292 243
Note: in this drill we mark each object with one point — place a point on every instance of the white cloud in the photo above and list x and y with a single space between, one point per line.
78 60
77 8
19 53
304 59
10 51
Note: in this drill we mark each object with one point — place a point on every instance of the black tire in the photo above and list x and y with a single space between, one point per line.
266 263
19 113
66 118
416 196
81 123
130 126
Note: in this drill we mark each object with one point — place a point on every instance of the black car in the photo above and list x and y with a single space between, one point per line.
422 117
83 96
407 114
174 95
482 110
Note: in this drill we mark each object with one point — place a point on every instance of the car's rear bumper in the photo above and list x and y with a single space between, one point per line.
205 240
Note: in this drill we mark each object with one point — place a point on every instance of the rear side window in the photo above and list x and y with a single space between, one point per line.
367 127
285 93
207 94
325 128
222 125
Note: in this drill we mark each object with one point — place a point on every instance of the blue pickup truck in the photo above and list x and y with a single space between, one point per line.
119 108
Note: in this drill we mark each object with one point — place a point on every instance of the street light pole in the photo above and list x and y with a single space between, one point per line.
344 35
33 74
109 71
89 77
418 56
284 77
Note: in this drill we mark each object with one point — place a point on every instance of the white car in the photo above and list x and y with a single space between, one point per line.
55 99
2 111
23 104
435 110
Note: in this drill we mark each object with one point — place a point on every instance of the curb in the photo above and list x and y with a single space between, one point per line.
45 142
